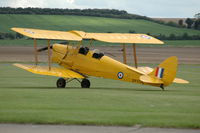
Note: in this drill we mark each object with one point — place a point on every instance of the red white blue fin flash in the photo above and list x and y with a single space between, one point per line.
159 72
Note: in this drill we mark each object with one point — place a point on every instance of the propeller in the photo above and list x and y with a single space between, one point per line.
44 48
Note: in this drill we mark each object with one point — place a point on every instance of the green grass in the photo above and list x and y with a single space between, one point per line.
89 24
29 98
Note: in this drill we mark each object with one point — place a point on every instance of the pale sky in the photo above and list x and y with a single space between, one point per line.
150 8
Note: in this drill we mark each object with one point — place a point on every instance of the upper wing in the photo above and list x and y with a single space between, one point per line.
119 37
79 35
47 34
55 71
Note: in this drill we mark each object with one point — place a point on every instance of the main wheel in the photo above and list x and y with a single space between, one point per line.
61 83
85 83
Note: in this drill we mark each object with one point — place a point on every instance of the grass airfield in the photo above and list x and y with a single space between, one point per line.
30 98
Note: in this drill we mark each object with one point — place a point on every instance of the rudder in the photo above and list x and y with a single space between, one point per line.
166 71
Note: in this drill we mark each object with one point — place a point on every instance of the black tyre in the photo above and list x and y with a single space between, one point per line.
61 83
85 83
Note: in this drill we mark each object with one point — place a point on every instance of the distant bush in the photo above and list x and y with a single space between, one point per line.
11 36
132 31
172 36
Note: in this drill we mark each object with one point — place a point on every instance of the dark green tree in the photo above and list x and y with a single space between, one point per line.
197 24
172 36
180 22
19 36
197 21
132 31
189 22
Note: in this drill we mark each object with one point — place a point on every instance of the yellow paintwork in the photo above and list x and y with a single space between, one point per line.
150 79
55 71
170 65
106 67
119 37
180 81
79 35
46 34
77 65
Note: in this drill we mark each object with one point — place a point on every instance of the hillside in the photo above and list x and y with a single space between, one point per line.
89 24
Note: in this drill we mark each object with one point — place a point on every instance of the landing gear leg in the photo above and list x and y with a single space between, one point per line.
85 83
61 83
162 87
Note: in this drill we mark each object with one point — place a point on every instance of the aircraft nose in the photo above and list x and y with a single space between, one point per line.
59 52
60 48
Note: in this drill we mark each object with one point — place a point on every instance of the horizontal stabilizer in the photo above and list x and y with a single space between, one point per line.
146 70
180 81
150 80
55 71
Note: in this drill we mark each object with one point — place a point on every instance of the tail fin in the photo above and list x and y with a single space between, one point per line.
166 71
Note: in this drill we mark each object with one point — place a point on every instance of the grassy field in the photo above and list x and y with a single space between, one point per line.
178 43
89 24
29 98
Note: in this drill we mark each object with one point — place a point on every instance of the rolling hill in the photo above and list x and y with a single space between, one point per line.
89 24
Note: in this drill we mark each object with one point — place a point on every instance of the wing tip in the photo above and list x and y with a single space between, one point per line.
180 81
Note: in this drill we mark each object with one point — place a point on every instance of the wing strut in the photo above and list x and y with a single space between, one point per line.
35 52
135 55
49 54
124 53
91 42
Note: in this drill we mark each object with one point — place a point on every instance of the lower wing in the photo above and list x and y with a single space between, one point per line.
55 71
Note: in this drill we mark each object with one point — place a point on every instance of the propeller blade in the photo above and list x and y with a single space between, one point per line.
44 48
65 42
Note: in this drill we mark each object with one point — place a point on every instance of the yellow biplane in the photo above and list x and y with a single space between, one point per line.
79 62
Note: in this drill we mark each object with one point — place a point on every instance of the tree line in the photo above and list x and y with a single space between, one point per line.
172 36
110 13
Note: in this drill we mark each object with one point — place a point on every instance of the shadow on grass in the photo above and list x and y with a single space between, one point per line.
127 89
92 88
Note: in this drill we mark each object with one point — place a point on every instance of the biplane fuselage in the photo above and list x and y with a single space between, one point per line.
86 64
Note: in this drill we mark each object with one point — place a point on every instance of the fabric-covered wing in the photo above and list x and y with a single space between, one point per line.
123 38
119 37
47 34
55 71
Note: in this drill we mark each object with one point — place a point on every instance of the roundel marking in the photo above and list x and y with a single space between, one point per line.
145 37
120 75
